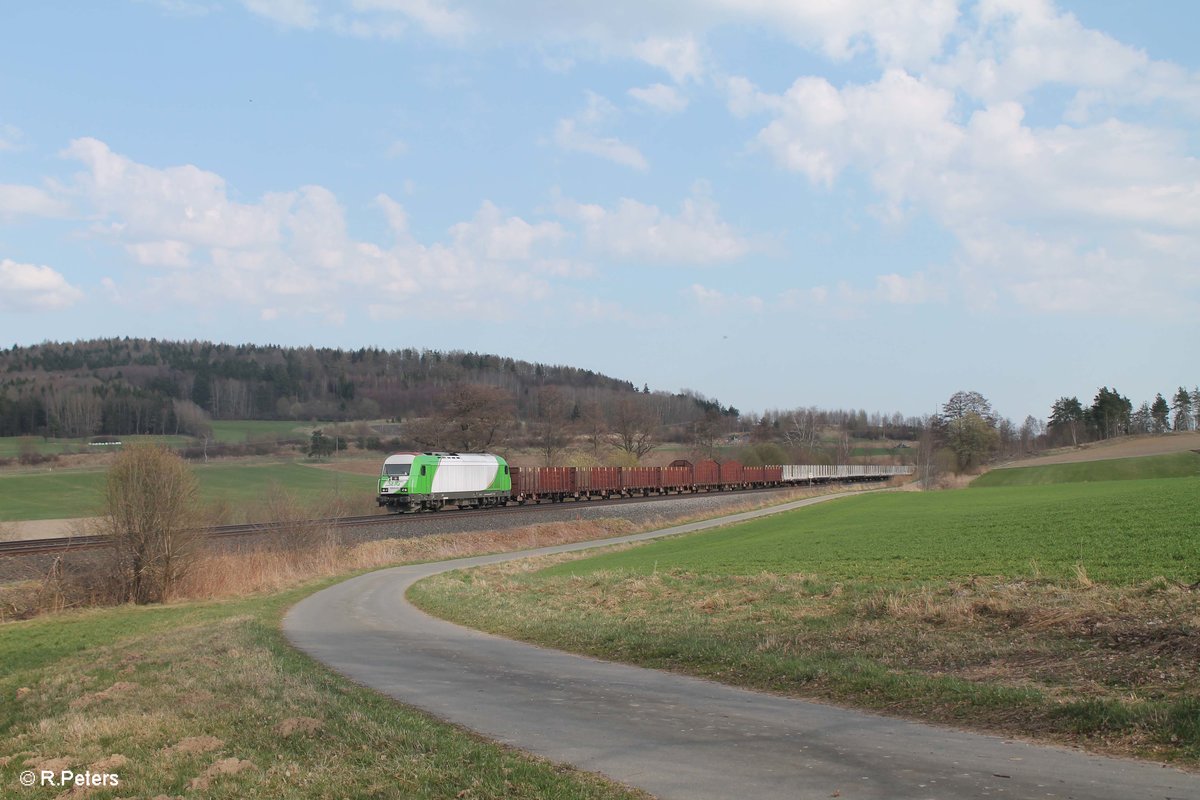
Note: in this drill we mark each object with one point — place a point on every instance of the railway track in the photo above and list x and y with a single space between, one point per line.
77 543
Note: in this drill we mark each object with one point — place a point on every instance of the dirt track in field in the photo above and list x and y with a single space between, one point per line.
1129 447
44 528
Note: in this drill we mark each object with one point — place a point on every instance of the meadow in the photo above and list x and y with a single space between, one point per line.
223 431
1065 611
1171 465
1120 532
61 494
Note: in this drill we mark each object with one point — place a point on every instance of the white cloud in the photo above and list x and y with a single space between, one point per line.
17 200
28 287
397 148
291 13
568 136
435 17
1020 45
680 57
716 301
185 203
1054 275
580 134
397 217
667 34
660 97
911 290
290 253
1080 190
635 231
10 135
167 253
503 239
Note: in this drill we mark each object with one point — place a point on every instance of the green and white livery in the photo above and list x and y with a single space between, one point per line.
416 481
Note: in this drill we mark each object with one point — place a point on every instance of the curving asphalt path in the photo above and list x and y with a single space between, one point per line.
674 736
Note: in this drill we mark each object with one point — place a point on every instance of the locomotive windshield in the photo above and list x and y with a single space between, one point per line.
396 470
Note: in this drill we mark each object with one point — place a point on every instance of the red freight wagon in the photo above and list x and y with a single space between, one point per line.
732 473
599 480
755 476
708 473
677 478
773 474
640 478
530 483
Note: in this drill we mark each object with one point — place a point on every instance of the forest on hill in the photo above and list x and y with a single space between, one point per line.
149 386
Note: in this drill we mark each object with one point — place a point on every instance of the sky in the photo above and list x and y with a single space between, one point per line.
775 203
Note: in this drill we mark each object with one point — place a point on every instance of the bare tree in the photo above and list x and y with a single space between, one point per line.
150 518
470 417
634 426
706 437
594 427
551 427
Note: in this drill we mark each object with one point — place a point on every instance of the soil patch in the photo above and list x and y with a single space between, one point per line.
226 766
195 744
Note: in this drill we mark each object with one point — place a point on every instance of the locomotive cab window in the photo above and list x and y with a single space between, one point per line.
397 470
422 469
506 469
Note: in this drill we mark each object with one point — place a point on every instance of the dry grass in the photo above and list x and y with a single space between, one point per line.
302 549
271 568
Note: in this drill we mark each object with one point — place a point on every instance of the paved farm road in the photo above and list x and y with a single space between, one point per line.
674 736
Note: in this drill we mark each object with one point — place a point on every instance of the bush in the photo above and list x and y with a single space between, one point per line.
151 516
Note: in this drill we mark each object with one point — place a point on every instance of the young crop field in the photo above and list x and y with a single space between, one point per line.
208 700
1171 465
1067 612
62 494
1121 532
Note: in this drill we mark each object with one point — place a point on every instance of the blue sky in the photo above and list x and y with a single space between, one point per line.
772 202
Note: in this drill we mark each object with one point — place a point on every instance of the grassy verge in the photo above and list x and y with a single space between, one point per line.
966 607
207 700
1171 465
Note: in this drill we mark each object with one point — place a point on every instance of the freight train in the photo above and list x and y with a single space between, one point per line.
429 481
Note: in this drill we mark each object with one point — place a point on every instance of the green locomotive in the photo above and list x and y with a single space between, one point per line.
429 481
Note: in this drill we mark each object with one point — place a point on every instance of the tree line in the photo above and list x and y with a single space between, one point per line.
147 386
1112 414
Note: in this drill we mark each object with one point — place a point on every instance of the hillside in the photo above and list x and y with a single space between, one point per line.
1168 465
132 386
1120 447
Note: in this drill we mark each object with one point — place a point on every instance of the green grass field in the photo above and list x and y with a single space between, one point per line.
62 494
1171 465
208 700
1122 532
224 431
238 431
1059 611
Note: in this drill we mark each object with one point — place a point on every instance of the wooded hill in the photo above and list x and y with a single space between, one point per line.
134 386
